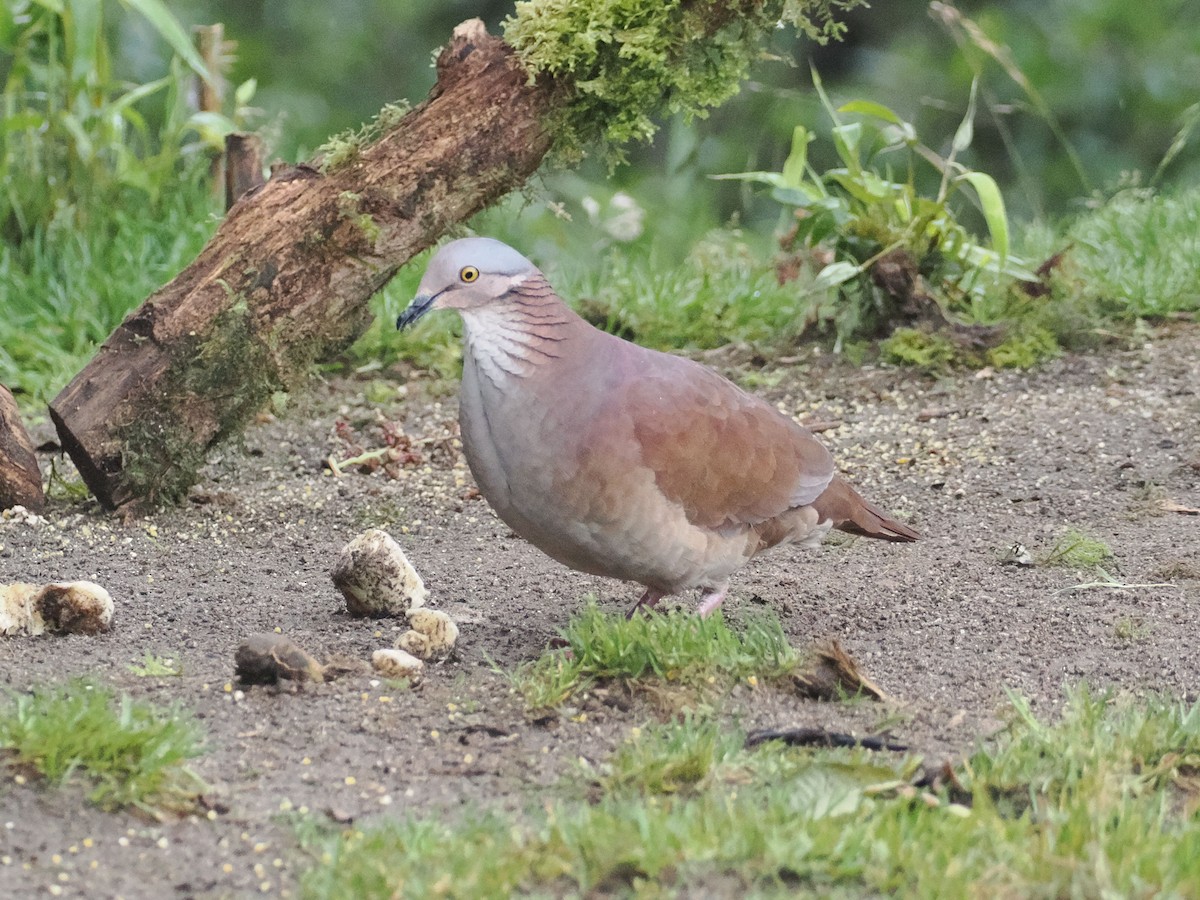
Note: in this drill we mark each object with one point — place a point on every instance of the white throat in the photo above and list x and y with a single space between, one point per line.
498 340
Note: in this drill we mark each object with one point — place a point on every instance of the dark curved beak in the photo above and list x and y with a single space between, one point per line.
418 307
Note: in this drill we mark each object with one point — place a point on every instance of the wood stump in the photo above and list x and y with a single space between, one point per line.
20 477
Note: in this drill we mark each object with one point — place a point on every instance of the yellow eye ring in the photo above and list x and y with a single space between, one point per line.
468 274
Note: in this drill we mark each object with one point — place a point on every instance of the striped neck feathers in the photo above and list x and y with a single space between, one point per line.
522 330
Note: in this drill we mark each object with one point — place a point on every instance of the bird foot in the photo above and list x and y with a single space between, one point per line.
647 601
711 602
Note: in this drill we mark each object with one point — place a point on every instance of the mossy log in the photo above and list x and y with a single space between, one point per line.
20 477
285 280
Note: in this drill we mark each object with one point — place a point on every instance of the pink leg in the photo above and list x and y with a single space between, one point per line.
646 601
711 602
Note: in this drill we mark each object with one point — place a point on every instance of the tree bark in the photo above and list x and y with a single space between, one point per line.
285 280
20 477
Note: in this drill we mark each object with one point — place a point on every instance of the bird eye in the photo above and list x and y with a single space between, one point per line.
468 274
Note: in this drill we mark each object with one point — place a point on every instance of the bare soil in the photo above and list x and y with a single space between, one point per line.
977 461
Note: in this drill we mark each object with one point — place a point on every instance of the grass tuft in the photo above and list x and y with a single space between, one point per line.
154 666
673 758
133 754
1140 253
678 647
1077 549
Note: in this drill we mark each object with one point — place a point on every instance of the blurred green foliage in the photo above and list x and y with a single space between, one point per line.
1117 78
1072 93
75 136
852 222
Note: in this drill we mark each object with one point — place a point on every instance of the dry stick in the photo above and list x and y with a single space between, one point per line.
243 166
210 92
285 280
819 737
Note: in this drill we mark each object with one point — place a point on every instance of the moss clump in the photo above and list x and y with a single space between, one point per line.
349 208
344 148
1078 550
631 61
1024 349
161 454
928 351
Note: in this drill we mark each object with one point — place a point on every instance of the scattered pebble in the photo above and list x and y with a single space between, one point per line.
415 643
393 663
267 658
1018 555
376 578
433 633
22 516
74 607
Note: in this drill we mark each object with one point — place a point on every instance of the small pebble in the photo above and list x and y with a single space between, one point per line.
433 633
267 658
376 578
393 663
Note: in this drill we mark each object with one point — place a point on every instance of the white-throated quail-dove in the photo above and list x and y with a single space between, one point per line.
621 461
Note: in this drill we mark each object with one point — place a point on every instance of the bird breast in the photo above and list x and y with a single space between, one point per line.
565 473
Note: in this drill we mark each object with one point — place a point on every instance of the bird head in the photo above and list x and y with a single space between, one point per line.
467 274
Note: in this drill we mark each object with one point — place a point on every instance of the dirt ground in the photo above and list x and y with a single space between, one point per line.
977 462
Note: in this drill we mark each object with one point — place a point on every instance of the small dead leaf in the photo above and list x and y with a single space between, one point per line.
833 675
268 658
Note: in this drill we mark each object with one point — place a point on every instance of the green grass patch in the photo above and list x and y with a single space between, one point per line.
1135 256
155 666
1078 549
679 648
132 754
1139 254
674 758
67 286
722 291
929 351
1102 803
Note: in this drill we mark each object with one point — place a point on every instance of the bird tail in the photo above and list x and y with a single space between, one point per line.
850 512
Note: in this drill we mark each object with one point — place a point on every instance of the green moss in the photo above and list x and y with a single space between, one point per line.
928 351
349 208
344 147
630 62
1077 549
1024 349
230 374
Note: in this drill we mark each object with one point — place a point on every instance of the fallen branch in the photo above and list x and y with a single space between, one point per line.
819 737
